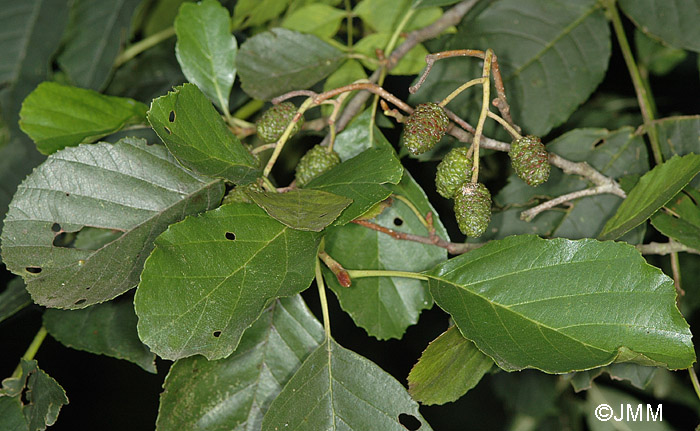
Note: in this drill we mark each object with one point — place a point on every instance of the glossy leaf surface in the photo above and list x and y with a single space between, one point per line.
211 276
337 389
206 49
194 132
234 393
56 116
653 191
130 187
560 305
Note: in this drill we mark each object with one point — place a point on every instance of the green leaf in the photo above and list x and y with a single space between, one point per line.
56 116
206 49
419 4
410 64
678 135
161 16
318 19
656 57
211 276
13 298
129 186
653 191
95 36
281 60
361 179
675 22
194 132
30 33
560 305
386 306
356 137
449 367
337 389
104 329
684 225
386 15
234 393
638 375
39 396
552 56
302 209
255 12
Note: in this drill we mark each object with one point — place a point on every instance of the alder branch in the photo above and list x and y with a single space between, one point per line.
532 212
432 239
664 248
451 17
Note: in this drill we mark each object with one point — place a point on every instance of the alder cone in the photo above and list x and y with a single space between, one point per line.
473 209
274 121
530 160
425 127
315 162
454 170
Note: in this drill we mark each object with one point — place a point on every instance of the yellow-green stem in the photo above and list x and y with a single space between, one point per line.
285 136
459 90
413 208
362 273
643 96
31 350
694 379
514 133
323 300
248 109
143 45
387 51
348 11
485 100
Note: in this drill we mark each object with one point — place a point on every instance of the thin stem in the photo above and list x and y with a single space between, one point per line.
664 248
514 133
323 300
31 350
362 273
336 268
694 379
459 90
268 185
348 11
676 270
143 45
643 96
263 147
248 109
532 212
372 88
295 93
431 239
285 136
486 97
413 208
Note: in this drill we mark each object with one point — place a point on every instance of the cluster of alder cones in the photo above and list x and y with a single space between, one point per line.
422 130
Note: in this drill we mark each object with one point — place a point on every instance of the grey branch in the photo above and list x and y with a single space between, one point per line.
664 248
532 212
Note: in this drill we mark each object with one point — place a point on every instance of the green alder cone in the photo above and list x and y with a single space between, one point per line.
530 160
275 120
454 170
425 127
473 209
314 163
